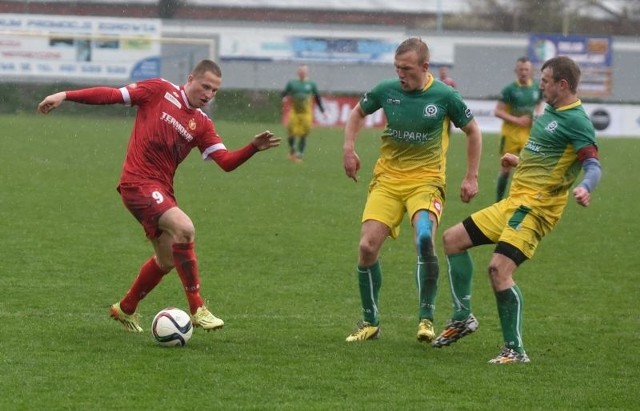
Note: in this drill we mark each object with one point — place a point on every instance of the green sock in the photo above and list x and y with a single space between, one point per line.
292 142
427 282
510 305
370 281
460 275
503 179
302 144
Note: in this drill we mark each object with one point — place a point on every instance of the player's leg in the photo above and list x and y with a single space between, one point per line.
181 251
382 215
142 202
509 302
456 241
291 130
304 130
427 271
150 275
513 248
302 144
372 236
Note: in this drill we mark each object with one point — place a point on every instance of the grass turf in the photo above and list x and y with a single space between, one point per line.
277 246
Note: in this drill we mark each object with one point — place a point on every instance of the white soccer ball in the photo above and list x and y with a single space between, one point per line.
172 327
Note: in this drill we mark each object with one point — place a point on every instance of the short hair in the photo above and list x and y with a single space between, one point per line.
564 68
414 44
523 59
207 65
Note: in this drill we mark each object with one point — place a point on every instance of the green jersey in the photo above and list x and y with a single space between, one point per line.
301 92
416 137
519 101
549 165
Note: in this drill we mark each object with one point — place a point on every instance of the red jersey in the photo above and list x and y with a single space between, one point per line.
165 131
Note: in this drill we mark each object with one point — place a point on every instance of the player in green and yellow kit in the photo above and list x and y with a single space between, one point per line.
409 176
519 102
300 92
562 142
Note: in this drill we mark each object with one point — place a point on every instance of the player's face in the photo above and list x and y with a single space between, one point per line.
523 72
413 76
551 90
303 72
202 88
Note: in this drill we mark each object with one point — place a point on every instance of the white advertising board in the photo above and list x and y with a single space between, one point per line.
33 46
609 120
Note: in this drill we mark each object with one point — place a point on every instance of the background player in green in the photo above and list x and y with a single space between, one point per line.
519 101
409 176
300 92
562 142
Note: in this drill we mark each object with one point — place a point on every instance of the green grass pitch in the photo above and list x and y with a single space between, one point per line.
277 246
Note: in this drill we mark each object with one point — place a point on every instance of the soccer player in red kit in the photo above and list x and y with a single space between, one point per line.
169 124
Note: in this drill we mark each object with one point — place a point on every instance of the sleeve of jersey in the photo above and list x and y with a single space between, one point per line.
230 160
96 96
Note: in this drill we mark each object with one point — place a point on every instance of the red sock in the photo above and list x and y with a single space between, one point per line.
184 258
150 275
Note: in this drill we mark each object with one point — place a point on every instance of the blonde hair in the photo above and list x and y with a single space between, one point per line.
414 44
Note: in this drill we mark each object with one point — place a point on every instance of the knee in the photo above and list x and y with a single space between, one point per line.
165 261
184 233
449 243
500 279
368 252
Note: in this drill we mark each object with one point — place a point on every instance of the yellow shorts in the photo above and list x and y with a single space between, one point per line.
389 200
513 143
299 124
514 223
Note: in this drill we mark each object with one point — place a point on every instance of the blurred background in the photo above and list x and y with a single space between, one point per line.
348 45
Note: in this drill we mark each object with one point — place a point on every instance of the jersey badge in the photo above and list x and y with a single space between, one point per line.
192 124
430 110
551 127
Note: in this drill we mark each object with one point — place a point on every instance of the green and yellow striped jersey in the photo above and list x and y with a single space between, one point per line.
301 92
416 137
549 165
519 101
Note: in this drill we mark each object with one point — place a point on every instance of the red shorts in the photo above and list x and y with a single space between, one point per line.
147 203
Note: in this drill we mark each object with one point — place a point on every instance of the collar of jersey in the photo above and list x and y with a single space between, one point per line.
568 106
429 82
529 83
185 100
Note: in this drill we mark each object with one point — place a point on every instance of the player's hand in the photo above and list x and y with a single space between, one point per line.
351 163
265 140
524 121
509 160
582 196
469 189
51 102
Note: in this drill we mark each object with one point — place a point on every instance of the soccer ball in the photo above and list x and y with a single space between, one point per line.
172 327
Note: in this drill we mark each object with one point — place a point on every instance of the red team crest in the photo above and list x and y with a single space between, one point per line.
437 206
192 124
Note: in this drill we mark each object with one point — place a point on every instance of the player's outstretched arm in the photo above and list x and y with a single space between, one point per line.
230 160
265 141
92 95
51 102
